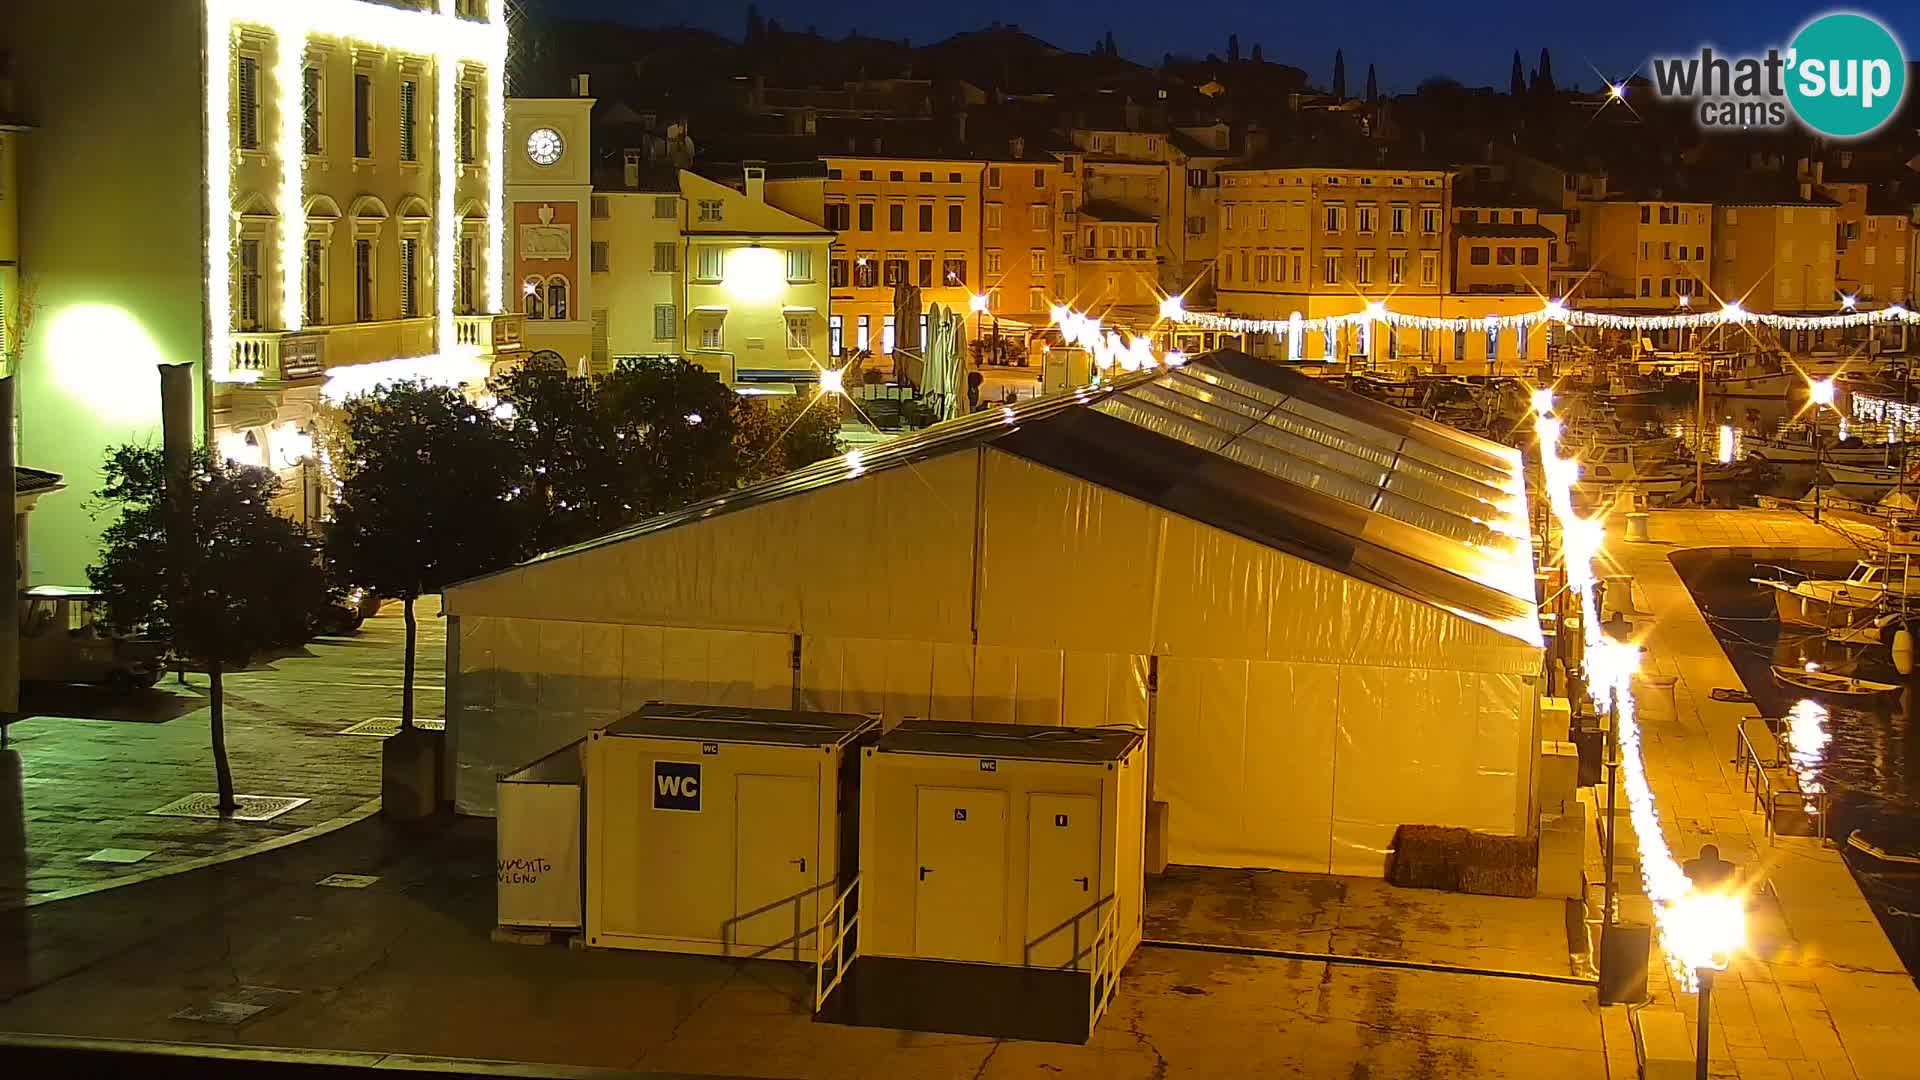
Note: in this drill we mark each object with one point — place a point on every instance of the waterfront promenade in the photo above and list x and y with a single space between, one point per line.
1821 995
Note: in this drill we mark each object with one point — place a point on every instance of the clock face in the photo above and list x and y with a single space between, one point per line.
544 146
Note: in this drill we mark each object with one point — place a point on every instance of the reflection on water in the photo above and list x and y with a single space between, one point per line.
1863 752
1807 741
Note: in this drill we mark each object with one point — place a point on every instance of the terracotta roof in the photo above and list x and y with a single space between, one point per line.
27 481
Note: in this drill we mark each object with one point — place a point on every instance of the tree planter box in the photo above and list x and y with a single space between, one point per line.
410 774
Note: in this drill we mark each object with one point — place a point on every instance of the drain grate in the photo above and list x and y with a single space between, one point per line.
381 727
206 804
237 1006
348 881
118 855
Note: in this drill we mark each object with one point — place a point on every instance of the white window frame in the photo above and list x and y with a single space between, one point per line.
799 331
712 211
666 323
710 263
799 265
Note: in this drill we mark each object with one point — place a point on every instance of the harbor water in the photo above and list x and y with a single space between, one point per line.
1864 752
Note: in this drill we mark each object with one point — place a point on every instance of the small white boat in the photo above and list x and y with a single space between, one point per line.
1822 682
1793 451
1749 375
1860 477
1848 601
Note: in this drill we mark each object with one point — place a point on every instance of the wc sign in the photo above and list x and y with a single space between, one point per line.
676 785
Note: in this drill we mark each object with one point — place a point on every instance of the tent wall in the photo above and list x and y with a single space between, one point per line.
1312 767
889 554
1301 714
521 688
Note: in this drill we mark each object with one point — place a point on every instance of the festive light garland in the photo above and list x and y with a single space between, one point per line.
438 34
1698 929
1729 314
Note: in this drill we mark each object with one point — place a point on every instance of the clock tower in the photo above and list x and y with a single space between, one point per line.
549 188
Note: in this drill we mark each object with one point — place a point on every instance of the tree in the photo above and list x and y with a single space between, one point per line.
1112 50
1373 86
1233 48
756 29
1544 82
1257 57
1517 85
679 421
244 580
770 441
426 499
582 478
1340 74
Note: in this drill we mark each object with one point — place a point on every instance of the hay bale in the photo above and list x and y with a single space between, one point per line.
1461 860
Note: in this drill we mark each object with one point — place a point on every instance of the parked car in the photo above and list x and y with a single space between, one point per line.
64 640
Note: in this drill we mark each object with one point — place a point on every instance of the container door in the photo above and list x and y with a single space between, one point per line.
960 896
776 850
1064 894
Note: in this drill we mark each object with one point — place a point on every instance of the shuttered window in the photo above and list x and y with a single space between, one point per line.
246 78
310 110
409 93
409 278
362 115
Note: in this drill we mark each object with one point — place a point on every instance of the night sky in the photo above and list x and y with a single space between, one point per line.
1470 40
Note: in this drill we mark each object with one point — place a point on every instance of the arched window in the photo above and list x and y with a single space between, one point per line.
533 300
556 297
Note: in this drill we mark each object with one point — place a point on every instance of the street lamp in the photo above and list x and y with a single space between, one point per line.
988 353
1820 395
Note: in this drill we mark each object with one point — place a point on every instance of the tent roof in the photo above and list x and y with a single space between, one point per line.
1023 742
718 723
1274 456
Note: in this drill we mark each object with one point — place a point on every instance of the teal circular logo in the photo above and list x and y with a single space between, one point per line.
1846 75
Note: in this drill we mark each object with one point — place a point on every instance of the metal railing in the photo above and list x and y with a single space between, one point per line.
1104 972
1766 798
838 944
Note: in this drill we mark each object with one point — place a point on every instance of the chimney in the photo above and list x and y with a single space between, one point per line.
630 169
960 128
1017 148
756 180
1806 191
582 85
1819 172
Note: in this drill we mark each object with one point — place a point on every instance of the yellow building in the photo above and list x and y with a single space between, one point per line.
1500 246
550 209
727 270
1871 238
347 154
899 219
1775 252
755 277
1645 254
1117 269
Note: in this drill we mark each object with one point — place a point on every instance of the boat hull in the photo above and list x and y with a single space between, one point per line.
1800 609
1769 385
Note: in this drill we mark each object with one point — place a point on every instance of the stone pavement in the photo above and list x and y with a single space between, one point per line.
1823 996
86 766
405 966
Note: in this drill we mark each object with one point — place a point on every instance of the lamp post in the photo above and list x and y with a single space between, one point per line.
1820 395
978 302
1704 1024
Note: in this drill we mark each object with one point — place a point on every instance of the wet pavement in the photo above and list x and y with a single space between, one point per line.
85 766
405 965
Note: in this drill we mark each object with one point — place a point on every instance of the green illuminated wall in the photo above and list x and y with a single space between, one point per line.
111 232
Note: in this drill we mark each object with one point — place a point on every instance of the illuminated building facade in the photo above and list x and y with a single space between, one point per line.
311 207
550 214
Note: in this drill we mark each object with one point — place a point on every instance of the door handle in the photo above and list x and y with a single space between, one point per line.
801 861
924 871
1083 883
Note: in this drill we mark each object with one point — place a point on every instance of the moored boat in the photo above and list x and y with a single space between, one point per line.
1811 678
1825 603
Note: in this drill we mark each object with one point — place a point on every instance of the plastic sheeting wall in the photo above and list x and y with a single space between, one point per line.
984 684
523 688
1302 714
889 555
1312 767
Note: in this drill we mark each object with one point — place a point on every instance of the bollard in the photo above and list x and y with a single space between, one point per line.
1637 528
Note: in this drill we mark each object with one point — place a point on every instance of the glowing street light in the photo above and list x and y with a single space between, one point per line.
1617 91
1543 400
1849 301
1171 309
977 302
1820 392
833 381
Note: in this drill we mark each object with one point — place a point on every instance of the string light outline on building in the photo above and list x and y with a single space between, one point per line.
447 38
1698 929
1729 314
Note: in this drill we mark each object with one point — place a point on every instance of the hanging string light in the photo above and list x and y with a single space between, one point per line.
1729 314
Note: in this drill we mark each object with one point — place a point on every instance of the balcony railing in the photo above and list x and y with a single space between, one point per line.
490 333
277 356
